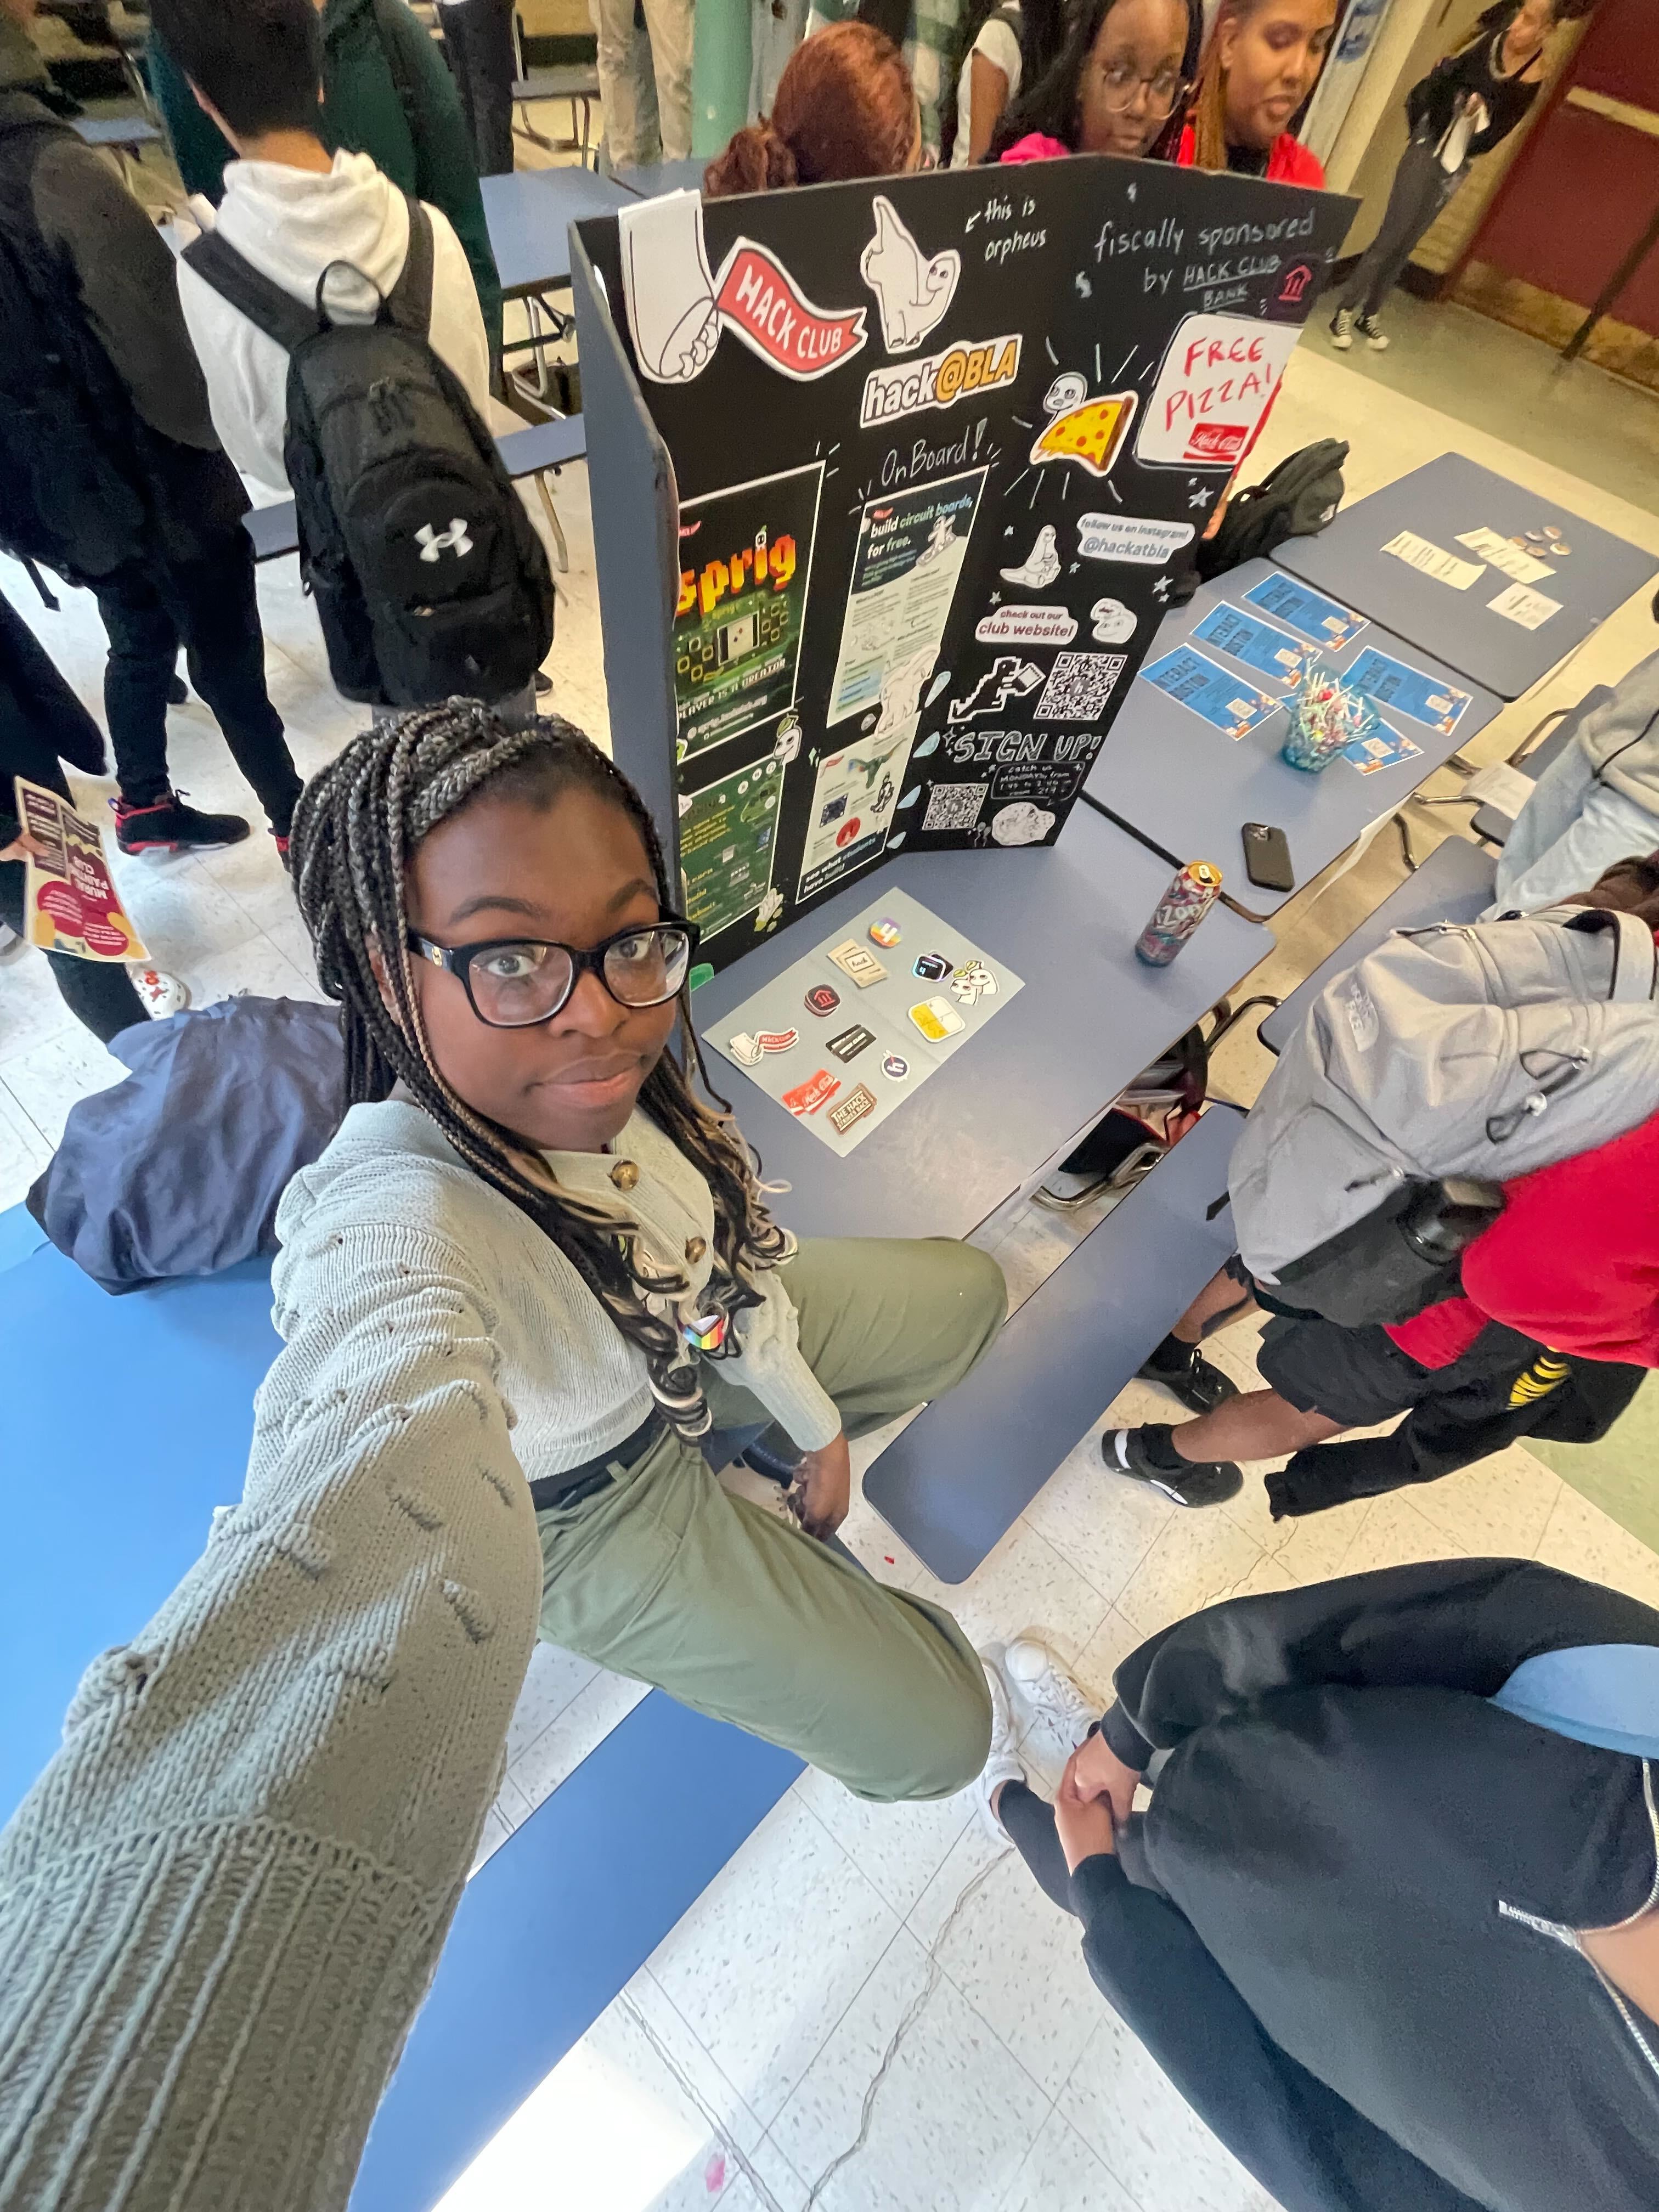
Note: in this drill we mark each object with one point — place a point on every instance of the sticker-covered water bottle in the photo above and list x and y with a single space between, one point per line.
1180 910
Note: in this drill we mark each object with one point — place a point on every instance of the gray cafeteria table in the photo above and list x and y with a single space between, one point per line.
1439 502
529 214
1090 1017
656 178
1187 789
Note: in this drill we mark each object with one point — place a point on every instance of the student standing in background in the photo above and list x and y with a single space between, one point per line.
644 79
478 40
1262 60
1000 48
296 213
1119 85
1468 103
111 474
386 93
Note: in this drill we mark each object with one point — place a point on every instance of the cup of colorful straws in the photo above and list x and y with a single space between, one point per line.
1325 718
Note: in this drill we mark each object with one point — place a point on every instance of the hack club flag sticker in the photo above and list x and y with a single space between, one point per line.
677 308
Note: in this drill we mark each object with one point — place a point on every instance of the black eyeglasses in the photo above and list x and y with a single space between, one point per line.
513 982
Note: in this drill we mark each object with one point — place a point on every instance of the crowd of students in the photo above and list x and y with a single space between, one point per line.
1388 1919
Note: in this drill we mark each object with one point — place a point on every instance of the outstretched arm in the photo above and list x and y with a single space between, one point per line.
222 1903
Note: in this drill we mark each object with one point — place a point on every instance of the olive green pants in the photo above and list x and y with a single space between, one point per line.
666 1577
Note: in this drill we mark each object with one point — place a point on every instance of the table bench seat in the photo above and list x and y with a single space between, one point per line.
955 1480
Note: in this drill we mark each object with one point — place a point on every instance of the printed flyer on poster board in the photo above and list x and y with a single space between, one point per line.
935 442
745 569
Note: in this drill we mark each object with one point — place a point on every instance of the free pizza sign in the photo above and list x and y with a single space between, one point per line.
1218 377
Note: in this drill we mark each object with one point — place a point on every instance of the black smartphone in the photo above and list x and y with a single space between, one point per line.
1268 857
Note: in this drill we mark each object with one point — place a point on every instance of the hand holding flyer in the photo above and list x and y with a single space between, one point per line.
69 902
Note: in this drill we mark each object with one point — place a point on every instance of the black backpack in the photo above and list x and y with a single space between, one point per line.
1295 500
67 496
428 577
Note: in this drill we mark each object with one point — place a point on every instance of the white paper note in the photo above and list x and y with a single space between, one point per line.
1507 557
1529 608
1506 788
1433 560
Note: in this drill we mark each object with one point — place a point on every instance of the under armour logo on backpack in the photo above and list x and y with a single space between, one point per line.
434 542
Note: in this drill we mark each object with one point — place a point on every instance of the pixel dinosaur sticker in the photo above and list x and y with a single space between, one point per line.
1008 679
913 290
677 310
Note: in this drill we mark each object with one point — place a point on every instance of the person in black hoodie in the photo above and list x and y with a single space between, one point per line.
1390 1922
111 475
41 721
1468 103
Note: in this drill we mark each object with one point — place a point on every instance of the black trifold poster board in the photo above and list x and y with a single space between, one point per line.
887 477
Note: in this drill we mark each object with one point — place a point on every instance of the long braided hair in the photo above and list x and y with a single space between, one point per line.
356 829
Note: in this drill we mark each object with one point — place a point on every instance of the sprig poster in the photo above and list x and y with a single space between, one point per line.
934 443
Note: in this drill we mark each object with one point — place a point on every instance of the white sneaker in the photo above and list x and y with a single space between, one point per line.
162 994
1341 331
1373 333
1002 1760
1049 1693
12 946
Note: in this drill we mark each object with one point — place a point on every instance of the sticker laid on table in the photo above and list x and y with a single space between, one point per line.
895 1068
931 967
858 1102
745 1050
1437 705
1523 564
937 1019
1307 612
885 933
807 1097
1196 682
858 963
852 1042
776 1040
823 999
975 981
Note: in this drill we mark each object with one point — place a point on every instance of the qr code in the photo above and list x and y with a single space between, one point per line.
1079 685
954 805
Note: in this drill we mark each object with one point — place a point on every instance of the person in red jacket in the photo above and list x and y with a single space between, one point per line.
1262 60
1558 1322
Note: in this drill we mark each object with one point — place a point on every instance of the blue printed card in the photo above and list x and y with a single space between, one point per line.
1438 706
1196 681
1307 612
1259 645
1384 748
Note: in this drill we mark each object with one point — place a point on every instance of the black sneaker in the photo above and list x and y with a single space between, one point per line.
165 823
178 689
1182 1370
1145 1455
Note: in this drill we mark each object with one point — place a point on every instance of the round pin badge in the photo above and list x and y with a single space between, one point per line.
895 1068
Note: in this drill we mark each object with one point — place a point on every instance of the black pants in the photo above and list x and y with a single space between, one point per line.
1421 189
98 993
478 37
1303 2142
210 607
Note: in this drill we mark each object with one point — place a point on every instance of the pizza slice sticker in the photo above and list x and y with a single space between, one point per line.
1091 435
